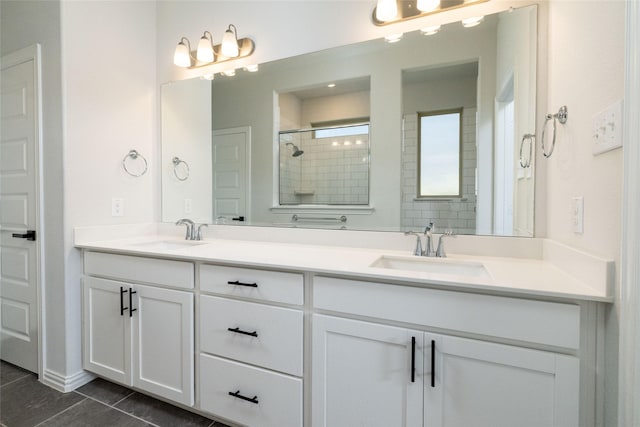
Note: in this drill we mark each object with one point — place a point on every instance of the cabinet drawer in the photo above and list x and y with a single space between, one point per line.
139 269
276 333
276 399
539 322
264 285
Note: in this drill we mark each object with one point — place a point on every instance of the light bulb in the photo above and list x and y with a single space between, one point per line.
386 10
428 5
204 53
230 43
182 55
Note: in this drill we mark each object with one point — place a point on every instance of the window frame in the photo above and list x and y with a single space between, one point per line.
421 114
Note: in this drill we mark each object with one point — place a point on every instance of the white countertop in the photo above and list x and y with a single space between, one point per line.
506 275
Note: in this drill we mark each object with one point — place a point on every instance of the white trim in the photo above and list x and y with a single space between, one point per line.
33 53
629 361
65 384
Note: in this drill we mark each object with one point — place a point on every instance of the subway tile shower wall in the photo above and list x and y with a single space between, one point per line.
456 214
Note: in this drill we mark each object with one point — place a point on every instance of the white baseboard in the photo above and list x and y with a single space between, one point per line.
68 383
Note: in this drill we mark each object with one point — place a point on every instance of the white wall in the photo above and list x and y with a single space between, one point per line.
586 73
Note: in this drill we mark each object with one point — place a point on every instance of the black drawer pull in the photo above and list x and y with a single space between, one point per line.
237 394
131 309
237 283
413 359
240 331
122 307
433 363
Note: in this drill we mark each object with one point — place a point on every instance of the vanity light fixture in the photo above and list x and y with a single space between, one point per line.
393 38
391 11
472 22
207 53
429 31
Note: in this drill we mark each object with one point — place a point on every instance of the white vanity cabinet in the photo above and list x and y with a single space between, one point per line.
372 373
251 345
138 335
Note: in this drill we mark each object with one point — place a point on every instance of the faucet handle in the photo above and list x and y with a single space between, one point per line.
190 224
440 251
199 232
418 250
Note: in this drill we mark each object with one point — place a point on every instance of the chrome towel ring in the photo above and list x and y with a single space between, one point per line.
561 116
176 163
134 155
525 163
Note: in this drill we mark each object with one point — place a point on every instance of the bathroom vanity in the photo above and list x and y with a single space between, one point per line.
270 333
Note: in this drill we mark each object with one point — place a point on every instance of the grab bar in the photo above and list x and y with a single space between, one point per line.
296 218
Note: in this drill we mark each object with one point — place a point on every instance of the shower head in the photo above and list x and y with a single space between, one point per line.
296 151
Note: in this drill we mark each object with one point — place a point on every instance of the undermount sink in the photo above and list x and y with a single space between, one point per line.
168 245
433 265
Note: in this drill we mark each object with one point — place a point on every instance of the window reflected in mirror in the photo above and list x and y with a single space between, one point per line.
440 154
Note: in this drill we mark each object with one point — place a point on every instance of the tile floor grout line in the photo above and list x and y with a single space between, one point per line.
124 398
118 409
17 379
61 412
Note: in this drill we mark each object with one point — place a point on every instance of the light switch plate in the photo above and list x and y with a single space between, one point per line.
607 129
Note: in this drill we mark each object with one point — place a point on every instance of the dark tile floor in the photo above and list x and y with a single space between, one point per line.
24 402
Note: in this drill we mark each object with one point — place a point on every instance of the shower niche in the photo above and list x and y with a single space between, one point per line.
323 147
325 165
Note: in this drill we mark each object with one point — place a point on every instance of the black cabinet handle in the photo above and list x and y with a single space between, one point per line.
29 235
131 309
433 363
240 331
122 307
237 283
237 394
238 218
413 359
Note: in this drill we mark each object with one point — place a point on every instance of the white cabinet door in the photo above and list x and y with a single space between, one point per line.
107 331
163 343
362 374
478 384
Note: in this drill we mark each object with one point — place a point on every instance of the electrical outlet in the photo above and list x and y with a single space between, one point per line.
607 129
187 206
117 207
578 214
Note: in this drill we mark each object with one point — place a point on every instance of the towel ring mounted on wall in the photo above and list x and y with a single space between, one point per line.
176 162
525 163
134 155
561 116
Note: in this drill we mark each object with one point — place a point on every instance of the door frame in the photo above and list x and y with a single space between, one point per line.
26 54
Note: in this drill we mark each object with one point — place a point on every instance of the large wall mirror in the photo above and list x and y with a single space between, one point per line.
443 119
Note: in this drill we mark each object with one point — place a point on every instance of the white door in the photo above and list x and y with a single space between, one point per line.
19 208
163 332
107 328
231 174
475 383
362 374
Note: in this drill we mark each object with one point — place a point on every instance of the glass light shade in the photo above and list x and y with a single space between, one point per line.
472 22
393 38
230 44
182 56
427 5
386 10
204 53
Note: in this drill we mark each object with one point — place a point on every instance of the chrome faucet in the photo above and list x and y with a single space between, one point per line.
199 232
190 228
440 251
428 249
418 250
